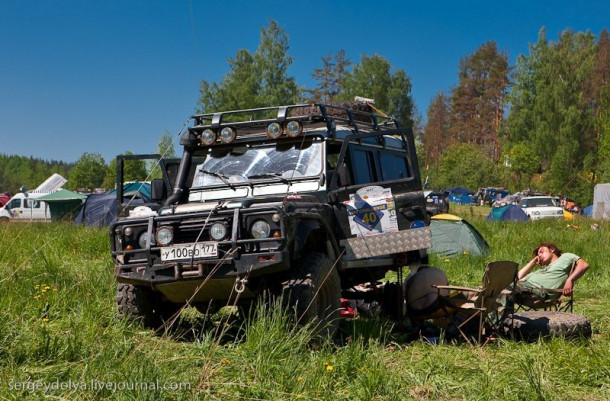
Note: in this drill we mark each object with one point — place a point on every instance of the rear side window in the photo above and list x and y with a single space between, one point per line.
375 165
33 203
394 167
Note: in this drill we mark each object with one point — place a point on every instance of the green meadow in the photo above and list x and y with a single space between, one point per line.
61 340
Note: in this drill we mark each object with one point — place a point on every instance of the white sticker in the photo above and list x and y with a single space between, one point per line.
371 211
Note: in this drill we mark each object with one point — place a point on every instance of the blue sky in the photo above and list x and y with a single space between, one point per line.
110 76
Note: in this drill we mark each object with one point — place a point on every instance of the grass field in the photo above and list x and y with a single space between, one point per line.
60 338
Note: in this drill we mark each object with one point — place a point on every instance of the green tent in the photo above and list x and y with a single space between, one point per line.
64 204
452 235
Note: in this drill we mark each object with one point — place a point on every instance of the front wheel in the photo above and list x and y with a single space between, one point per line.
144 305
313 290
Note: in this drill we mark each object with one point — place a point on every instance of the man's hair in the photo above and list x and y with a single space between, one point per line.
552 247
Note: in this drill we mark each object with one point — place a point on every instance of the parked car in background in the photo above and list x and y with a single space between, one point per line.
436 202
541 207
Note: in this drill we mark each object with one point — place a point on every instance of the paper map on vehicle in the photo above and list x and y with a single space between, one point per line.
371 211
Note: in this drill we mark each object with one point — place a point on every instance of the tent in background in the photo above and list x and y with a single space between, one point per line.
100 209
507 213
588 211
601 202
459 190
64 204
461 199
452 235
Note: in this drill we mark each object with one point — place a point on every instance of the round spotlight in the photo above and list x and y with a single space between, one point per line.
293 128
260 229
274 130
142 239
165 236
227 135
276 217
128 231
218 231
208 137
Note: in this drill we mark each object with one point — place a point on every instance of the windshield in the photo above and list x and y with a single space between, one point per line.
537 202
245 164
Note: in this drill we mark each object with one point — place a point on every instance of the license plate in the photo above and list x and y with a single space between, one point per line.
190 251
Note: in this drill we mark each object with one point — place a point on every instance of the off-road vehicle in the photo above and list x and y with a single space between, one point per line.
314 202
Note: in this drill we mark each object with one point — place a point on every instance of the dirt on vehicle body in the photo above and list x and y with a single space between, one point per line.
309 201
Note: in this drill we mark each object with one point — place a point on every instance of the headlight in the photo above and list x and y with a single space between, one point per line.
260 229
218 231
165 236
560 212
535 213
142 239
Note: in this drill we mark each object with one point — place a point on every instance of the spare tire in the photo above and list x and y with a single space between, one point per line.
529 326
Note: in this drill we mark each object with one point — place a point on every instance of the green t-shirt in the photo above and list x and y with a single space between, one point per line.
555 274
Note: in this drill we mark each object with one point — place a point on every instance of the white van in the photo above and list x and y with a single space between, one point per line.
26 207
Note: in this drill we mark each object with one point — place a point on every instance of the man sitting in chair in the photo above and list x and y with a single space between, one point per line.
557 272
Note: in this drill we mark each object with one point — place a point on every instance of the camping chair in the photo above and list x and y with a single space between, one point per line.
480 305
530 299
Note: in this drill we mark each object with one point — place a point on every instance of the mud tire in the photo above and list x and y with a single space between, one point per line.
530 326
142 304
313 292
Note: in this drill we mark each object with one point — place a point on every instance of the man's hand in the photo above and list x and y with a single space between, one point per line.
568 287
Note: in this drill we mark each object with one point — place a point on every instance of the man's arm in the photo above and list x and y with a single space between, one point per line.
579 270
525 270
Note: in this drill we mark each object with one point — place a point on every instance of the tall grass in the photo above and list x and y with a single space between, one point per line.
58 327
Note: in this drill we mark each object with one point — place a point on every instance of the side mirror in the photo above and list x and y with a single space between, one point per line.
158 192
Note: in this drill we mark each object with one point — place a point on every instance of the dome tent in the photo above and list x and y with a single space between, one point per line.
507 213
452 235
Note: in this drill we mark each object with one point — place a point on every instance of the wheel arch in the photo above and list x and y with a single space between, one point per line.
314 234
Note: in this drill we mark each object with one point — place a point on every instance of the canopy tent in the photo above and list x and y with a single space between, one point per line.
459 190
507 213
64 204
452 235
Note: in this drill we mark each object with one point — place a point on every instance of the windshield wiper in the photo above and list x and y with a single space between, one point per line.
271 175
223 177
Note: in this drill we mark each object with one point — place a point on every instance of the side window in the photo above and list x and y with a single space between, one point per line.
14 204
32 203
394 167
363 165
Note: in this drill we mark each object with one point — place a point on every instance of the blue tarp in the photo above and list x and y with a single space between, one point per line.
459 190
588 211
507 213
462 199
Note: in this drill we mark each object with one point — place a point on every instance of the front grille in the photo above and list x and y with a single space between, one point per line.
189 231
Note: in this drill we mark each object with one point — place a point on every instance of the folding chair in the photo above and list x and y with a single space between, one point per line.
553 299
480 305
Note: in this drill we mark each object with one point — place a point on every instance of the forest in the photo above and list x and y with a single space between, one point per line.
542 123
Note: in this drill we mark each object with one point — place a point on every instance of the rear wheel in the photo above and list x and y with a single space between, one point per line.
313 291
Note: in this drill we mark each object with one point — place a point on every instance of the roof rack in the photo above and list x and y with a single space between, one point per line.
355 114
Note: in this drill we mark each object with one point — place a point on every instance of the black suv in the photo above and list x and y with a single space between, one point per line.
309 201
